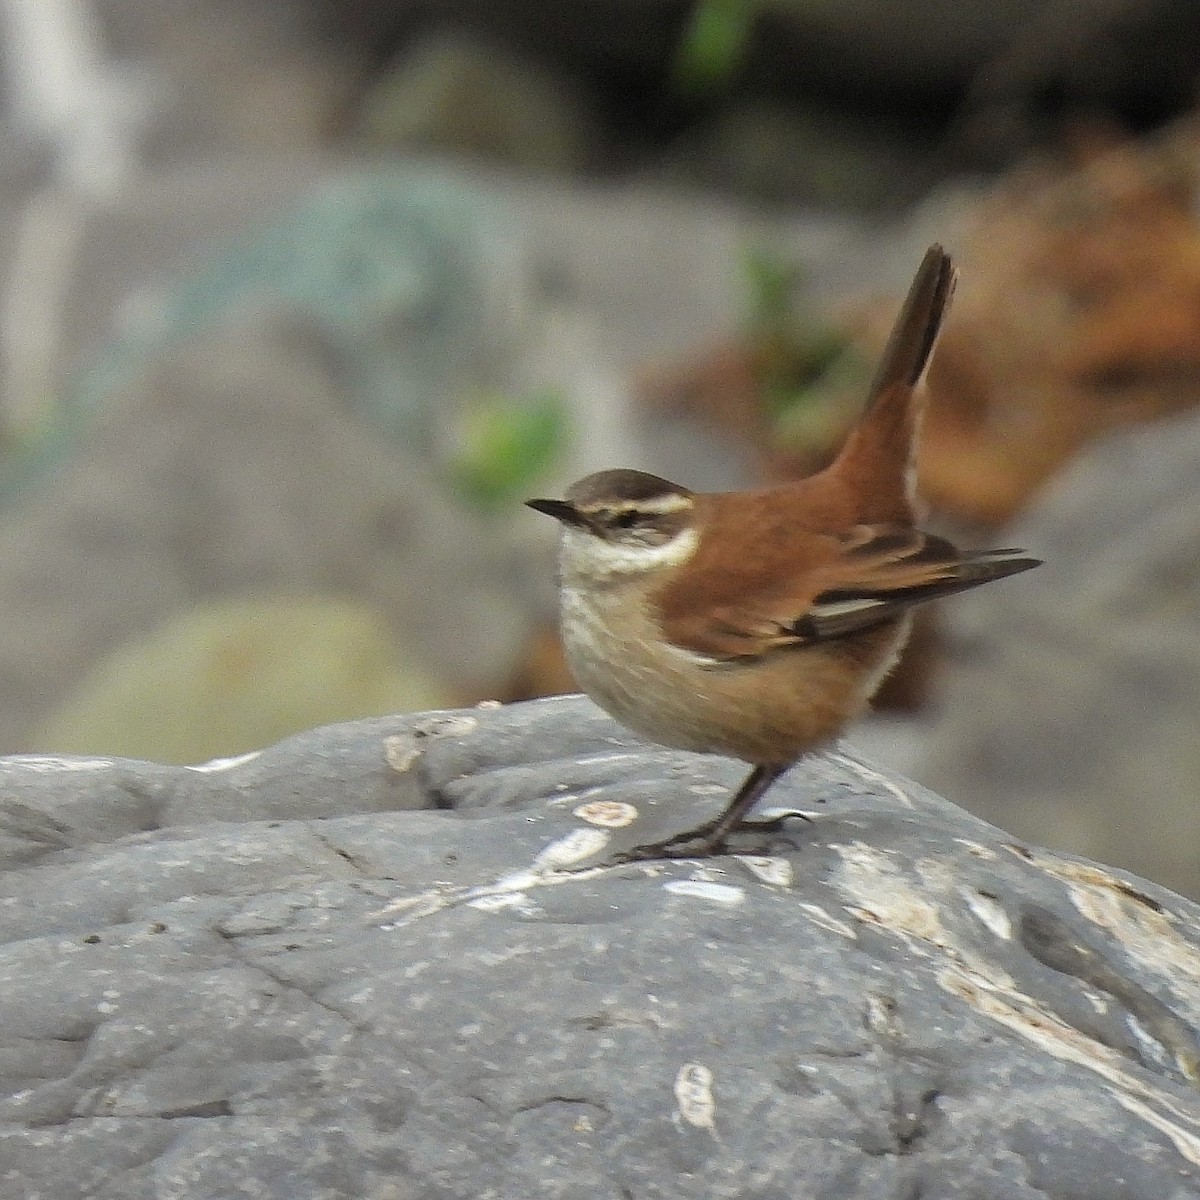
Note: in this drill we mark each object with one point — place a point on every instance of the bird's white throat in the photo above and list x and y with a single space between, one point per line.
585 558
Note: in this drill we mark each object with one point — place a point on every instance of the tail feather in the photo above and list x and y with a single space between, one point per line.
878 459
913 336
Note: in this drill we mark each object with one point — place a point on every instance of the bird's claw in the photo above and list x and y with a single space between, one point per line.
705 840
684 846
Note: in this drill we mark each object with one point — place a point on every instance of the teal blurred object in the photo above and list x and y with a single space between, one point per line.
413 282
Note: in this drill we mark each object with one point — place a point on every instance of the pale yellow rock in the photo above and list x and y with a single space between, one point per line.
237 675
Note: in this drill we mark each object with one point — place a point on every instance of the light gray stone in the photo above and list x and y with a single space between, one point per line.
329 993
474 96
1071 709
797 156
231 468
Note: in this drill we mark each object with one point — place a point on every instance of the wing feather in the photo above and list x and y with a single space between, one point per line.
873 574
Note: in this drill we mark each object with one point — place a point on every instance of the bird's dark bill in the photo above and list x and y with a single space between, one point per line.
560 510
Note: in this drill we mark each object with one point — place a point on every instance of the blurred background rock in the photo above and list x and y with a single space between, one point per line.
301 298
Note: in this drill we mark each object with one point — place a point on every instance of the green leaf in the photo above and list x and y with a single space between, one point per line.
505 444
714 45
817 405
772 281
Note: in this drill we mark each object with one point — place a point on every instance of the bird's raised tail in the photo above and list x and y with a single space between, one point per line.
878 459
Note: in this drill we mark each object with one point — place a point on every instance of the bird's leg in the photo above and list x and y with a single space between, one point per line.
696 843
744 799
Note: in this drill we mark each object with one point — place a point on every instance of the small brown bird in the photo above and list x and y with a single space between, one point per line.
757 624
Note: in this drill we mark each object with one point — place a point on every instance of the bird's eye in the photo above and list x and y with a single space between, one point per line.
627 519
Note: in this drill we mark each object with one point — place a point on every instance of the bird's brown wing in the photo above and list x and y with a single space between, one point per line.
871 574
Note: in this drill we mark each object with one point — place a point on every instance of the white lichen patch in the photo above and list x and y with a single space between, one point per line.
989 912
47 763
773 871
936 875
773 814
607 814
404 910
520 902
1184 1140
877 891
446 725
400 751
829 922
1134 1092
567 851
1151 1048
977 849
215 765
702 889
876 780
881 1017
1018 1013
708 872
694 1099
1150 934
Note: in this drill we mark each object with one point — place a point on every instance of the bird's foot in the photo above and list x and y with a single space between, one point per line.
693 843
704 841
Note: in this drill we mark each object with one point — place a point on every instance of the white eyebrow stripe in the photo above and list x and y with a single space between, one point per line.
655 506
660 505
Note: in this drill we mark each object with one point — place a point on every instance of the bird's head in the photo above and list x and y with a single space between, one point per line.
622 523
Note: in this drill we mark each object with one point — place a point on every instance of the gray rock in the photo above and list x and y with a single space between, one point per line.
800 156
232 469
265 423
469 95
272 415
1071 711
402 958
247 74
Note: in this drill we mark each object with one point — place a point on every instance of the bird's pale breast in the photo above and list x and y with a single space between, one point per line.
768 710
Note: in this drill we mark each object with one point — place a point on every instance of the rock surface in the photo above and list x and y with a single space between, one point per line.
400 958
1071 709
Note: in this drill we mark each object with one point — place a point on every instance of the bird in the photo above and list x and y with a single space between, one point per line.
756 624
